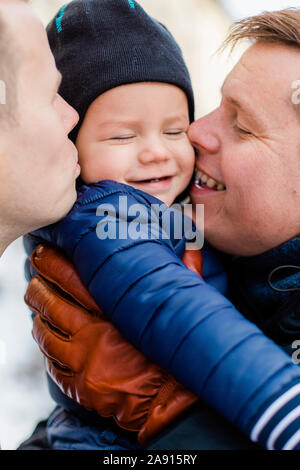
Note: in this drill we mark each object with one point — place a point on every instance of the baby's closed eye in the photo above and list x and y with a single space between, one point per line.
122 137
175 132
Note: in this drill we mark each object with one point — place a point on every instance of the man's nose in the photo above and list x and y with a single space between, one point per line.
156 153
203 134
70 116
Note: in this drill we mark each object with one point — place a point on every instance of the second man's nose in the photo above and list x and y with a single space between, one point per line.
203 136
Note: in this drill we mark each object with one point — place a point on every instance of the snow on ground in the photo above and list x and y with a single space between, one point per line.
24 398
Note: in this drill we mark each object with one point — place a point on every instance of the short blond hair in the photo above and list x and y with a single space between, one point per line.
281 27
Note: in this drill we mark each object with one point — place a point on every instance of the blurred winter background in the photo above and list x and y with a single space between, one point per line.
199 26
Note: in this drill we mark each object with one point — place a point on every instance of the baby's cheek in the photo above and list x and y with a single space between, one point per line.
188 160
88 174
84 162
86 179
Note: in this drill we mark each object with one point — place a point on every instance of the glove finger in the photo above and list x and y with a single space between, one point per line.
53 265
54 347
64 380
63 314
67 383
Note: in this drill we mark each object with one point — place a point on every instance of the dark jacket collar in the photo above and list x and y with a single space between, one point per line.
266 289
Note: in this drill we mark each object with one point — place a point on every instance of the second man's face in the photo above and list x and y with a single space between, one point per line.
136 134
250 148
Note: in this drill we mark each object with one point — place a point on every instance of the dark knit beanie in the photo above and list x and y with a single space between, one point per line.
102 44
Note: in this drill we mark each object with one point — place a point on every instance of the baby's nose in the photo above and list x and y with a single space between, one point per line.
154 154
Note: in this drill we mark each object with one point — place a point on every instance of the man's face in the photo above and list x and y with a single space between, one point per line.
136 134
38 163
251 145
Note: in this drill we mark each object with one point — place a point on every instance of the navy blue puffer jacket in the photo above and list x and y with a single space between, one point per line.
178 320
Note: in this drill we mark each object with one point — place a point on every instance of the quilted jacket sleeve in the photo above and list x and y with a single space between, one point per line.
178 320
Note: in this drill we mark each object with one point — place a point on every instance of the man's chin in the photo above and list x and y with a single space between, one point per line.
64 207
216 235
233 245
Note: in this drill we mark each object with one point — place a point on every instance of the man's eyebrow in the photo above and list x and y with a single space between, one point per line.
238 105
232 100
245 110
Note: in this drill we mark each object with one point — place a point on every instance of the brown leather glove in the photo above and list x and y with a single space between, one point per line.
90 360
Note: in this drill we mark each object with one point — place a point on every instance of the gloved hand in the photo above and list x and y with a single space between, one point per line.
90 360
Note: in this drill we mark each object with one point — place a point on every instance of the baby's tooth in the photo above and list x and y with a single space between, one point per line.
204 178
220 187
211 183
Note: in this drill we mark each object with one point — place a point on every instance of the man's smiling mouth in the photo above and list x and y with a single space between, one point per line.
202 180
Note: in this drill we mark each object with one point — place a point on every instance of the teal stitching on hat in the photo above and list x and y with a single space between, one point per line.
131 4
59 18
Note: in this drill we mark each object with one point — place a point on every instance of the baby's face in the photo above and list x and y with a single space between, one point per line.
136 134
